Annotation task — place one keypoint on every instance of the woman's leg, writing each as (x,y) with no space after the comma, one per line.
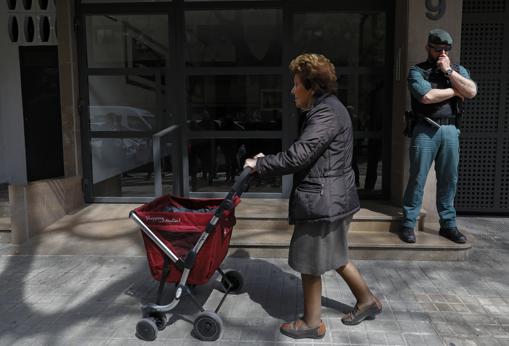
(312,288)
(311,325)
(358,286)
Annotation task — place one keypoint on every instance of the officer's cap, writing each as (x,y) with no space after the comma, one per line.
(439,36)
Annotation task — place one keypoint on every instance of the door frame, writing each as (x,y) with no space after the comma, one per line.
(176,85)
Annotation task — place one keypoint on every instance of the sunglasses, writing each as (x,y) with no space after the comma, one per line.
(441,48)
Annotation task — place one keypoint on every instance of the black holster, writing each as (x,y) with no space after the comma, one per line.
(459,112)
(410,122)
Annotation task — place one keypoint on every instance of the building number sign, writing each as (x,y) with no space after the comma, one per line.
(436,9)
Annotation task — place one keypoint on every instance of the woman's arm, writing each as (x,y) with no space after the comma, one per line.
(316,136)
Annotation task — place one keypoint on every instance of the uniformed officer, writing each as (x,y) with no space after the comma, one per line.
(437,90)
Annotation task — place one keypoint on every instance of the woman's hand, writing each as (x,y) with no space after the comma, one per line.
(251,163)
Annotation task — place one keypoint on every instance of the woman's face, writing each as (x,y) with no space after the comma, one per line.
(303,97)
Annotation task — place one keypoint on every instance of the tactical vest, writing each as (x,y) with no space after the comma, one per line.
(438,80)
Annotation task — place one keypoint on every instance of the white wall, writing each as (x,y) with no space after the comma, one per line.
(3,162)
(12,151)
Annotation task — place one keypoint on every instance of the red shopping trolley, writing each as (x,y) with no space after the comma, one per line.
(186,240)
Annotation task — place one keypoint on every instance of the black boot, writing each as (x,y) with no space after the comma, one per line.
(453,234)
(407,234)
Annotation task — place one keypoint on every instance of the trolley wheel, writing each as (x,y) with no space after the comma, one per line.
(236,280)
(146,329)
(208,326)
(160,320)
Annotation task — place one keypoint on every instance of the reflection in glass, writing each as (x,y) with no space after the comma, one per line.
(347,39)
(220,0)
(367,164)
(345,90)
(235,103)
(167,149)
(351,41)
(372,102)
(233,38)
(124,103)
(127,41)
(372,39)
(122,167)
(103,1)
(214,163)
(367,121)
(372,90)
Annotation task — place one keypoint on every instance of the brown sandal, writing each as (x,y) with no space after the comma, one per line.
(356,316)
(298,330)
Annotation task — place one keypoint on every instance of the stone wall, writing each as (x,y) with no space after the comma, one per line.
(39,204)
(35,205)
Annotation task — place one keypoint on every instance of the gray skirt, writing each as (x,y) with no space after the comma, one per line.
(317,247)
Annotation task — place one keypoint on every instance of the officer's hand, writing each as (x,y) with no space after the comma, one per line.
(443,63)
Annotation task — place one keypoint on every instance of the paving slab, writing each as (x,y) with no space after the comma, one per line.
(82,283)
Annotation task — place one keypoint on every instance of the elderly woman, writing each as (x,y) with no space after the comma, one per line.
(324,196)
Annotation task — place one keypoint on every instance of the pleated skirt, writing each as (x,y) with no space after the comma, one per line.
(317,247)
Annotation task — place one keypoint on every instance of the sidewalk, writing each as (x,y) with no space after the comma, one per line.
(75,293)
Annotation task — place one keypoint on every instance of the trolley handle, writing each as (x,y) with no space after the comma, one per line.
(242,183)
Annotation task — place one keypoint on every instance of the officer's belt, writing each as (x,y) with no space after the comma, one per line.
(445,120)
(441,120)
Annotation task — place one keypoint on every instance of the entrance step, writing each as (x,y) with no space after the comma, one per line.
(5,237)
(262,230)
(5,209)
(375,216)
(5,222)
(4,193)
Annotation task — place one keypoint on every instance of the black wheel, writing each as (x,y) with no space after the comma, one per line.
(146,329)
(236,280)
(160,320)
(208,326)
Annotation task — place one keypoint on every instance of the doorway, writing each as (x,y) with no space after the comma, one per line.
(41,112)
(219,71)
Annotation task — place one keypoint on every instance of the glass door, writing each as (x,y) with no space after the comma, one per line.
(356,41)
(124,101)
(219,71)
(235,95)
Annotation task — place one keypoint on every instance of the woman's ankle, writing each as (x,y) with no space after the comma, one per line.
(312,323)
(361,304)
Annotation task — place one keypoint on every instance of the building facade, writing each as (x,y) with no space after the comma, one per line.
(138,98)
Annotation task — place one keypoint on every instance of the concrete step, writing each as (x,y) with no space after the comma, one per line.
(262,230)
(387,246)
(364,221)
(362,245)
(4,192)
(5,209)
(374,216)
(5,230)
(5,222)
(5,237)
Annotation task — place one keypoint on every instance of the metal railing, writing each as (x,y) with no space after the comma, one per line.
(175,162)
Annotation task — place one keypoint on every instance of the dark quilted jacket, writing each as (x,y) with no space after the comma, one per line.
(320,159)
